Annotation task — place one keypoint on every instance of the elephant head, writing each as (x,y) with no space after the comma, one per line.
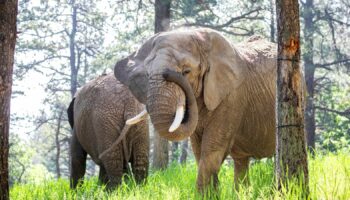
(173,69)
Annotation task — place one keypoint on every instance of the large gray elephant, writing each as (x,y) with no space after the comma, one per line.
(98,115)
(195,83)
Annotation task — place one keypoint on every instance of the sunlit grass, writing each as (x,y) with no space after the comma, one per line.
(329,179)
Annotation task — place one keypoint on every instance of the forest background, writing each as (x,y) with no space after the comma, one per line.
(62,44)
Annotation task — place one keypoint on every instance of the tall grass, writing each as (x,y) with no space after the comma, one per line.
(329,179)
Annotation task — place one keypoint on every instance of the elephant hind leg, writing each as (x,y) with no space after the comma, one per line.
(102,177)
(78,162)
(113,164)
(241,166)
(139,158)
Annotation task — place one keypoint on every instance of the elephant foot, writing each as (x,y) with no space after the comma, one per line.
(241,172)
(140,176)
(209,188)
(113,183)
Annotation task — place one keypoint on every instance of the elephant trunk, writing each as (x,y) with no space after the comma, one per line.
(172,106)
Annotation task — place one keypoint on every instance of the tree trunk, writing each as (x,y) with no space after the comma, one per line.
(291,156)
(272,21)
(58,146)
(8,32)
(162,15)
(184,147)
(72,61)
(72,56)
(160,152)
(174,152)
(161,146)
(308,16)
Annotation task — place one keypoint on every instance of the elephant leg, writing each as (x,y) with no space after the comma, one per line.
(113,164)
(241,171)
(196,140)
(213,153)
(78,162)
(140,155)
(102,177)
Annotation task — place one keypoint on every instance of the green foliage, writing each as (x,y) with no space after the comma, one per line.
(333,119)
(19,159)
(329,179)
(234,18)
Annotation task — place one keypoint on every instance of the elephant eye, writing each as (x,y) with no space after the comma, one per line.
(186,71)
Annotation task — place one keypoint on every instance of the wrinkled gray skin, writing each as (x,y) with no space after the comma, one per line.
(100,111)
(228,92)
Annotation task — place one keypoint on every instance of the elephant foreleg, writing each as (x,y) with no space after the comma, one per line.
(78,162)
(196,146)
(241,171)
(213,152)
(208,169)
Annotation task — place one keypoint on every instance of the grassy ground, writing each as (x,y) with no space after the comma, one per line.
(329,179)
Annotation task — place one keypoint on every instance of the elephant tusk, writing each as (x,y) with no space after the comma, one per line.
(137,118)
(180,112)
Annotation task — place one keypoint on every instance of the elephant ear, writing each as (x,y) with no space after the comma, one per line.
(224,74)
(131,71)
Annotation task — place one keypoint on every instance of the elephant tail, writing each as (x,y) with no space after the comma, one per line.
(70,113)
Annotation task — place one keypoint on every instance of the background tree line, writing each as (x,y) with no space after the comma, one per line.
(63,44)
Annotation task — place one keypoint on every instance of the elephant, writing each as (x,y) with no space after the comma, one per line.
(98,115)
(196,84)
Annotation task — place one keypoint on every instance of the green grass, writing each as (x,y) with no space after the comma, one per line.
(329,179)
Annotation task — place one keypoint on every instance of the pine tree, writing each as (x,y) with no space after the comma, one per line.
(291,155)
(8,33)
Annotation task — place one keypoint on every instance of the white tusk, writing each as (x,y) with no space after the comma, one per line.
(137,118)
(180,112)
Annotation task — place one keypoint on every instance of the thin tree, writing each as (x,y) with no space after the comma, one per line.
(57,141)
(184,148)
(161,145)
(8,32)
(291,156)
(310,68)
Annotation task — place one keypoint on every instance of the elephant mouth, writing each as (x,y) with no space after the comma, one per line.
(186,115)
(173,119)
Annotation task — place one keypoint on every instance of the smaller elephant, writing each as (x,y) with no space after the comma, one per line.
(98,116)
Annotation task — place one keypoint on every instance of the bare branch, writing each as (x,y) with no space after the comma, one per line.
(326,65)
(229,22)
(345,113)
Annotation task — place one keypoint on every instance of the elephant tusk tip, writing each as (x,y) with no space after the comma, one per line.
(180,111)
(137,118)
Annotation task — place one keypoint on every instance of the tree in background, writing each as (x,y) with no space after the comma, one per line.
(8,34)
(291,155)
(64,43)
(43,48)
(324,27)
(161,145)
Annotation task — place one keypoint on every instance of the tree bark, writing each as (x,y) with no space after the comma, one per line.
(8,32)
(310,67)
(161,145)
(291,156)
(184,147)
